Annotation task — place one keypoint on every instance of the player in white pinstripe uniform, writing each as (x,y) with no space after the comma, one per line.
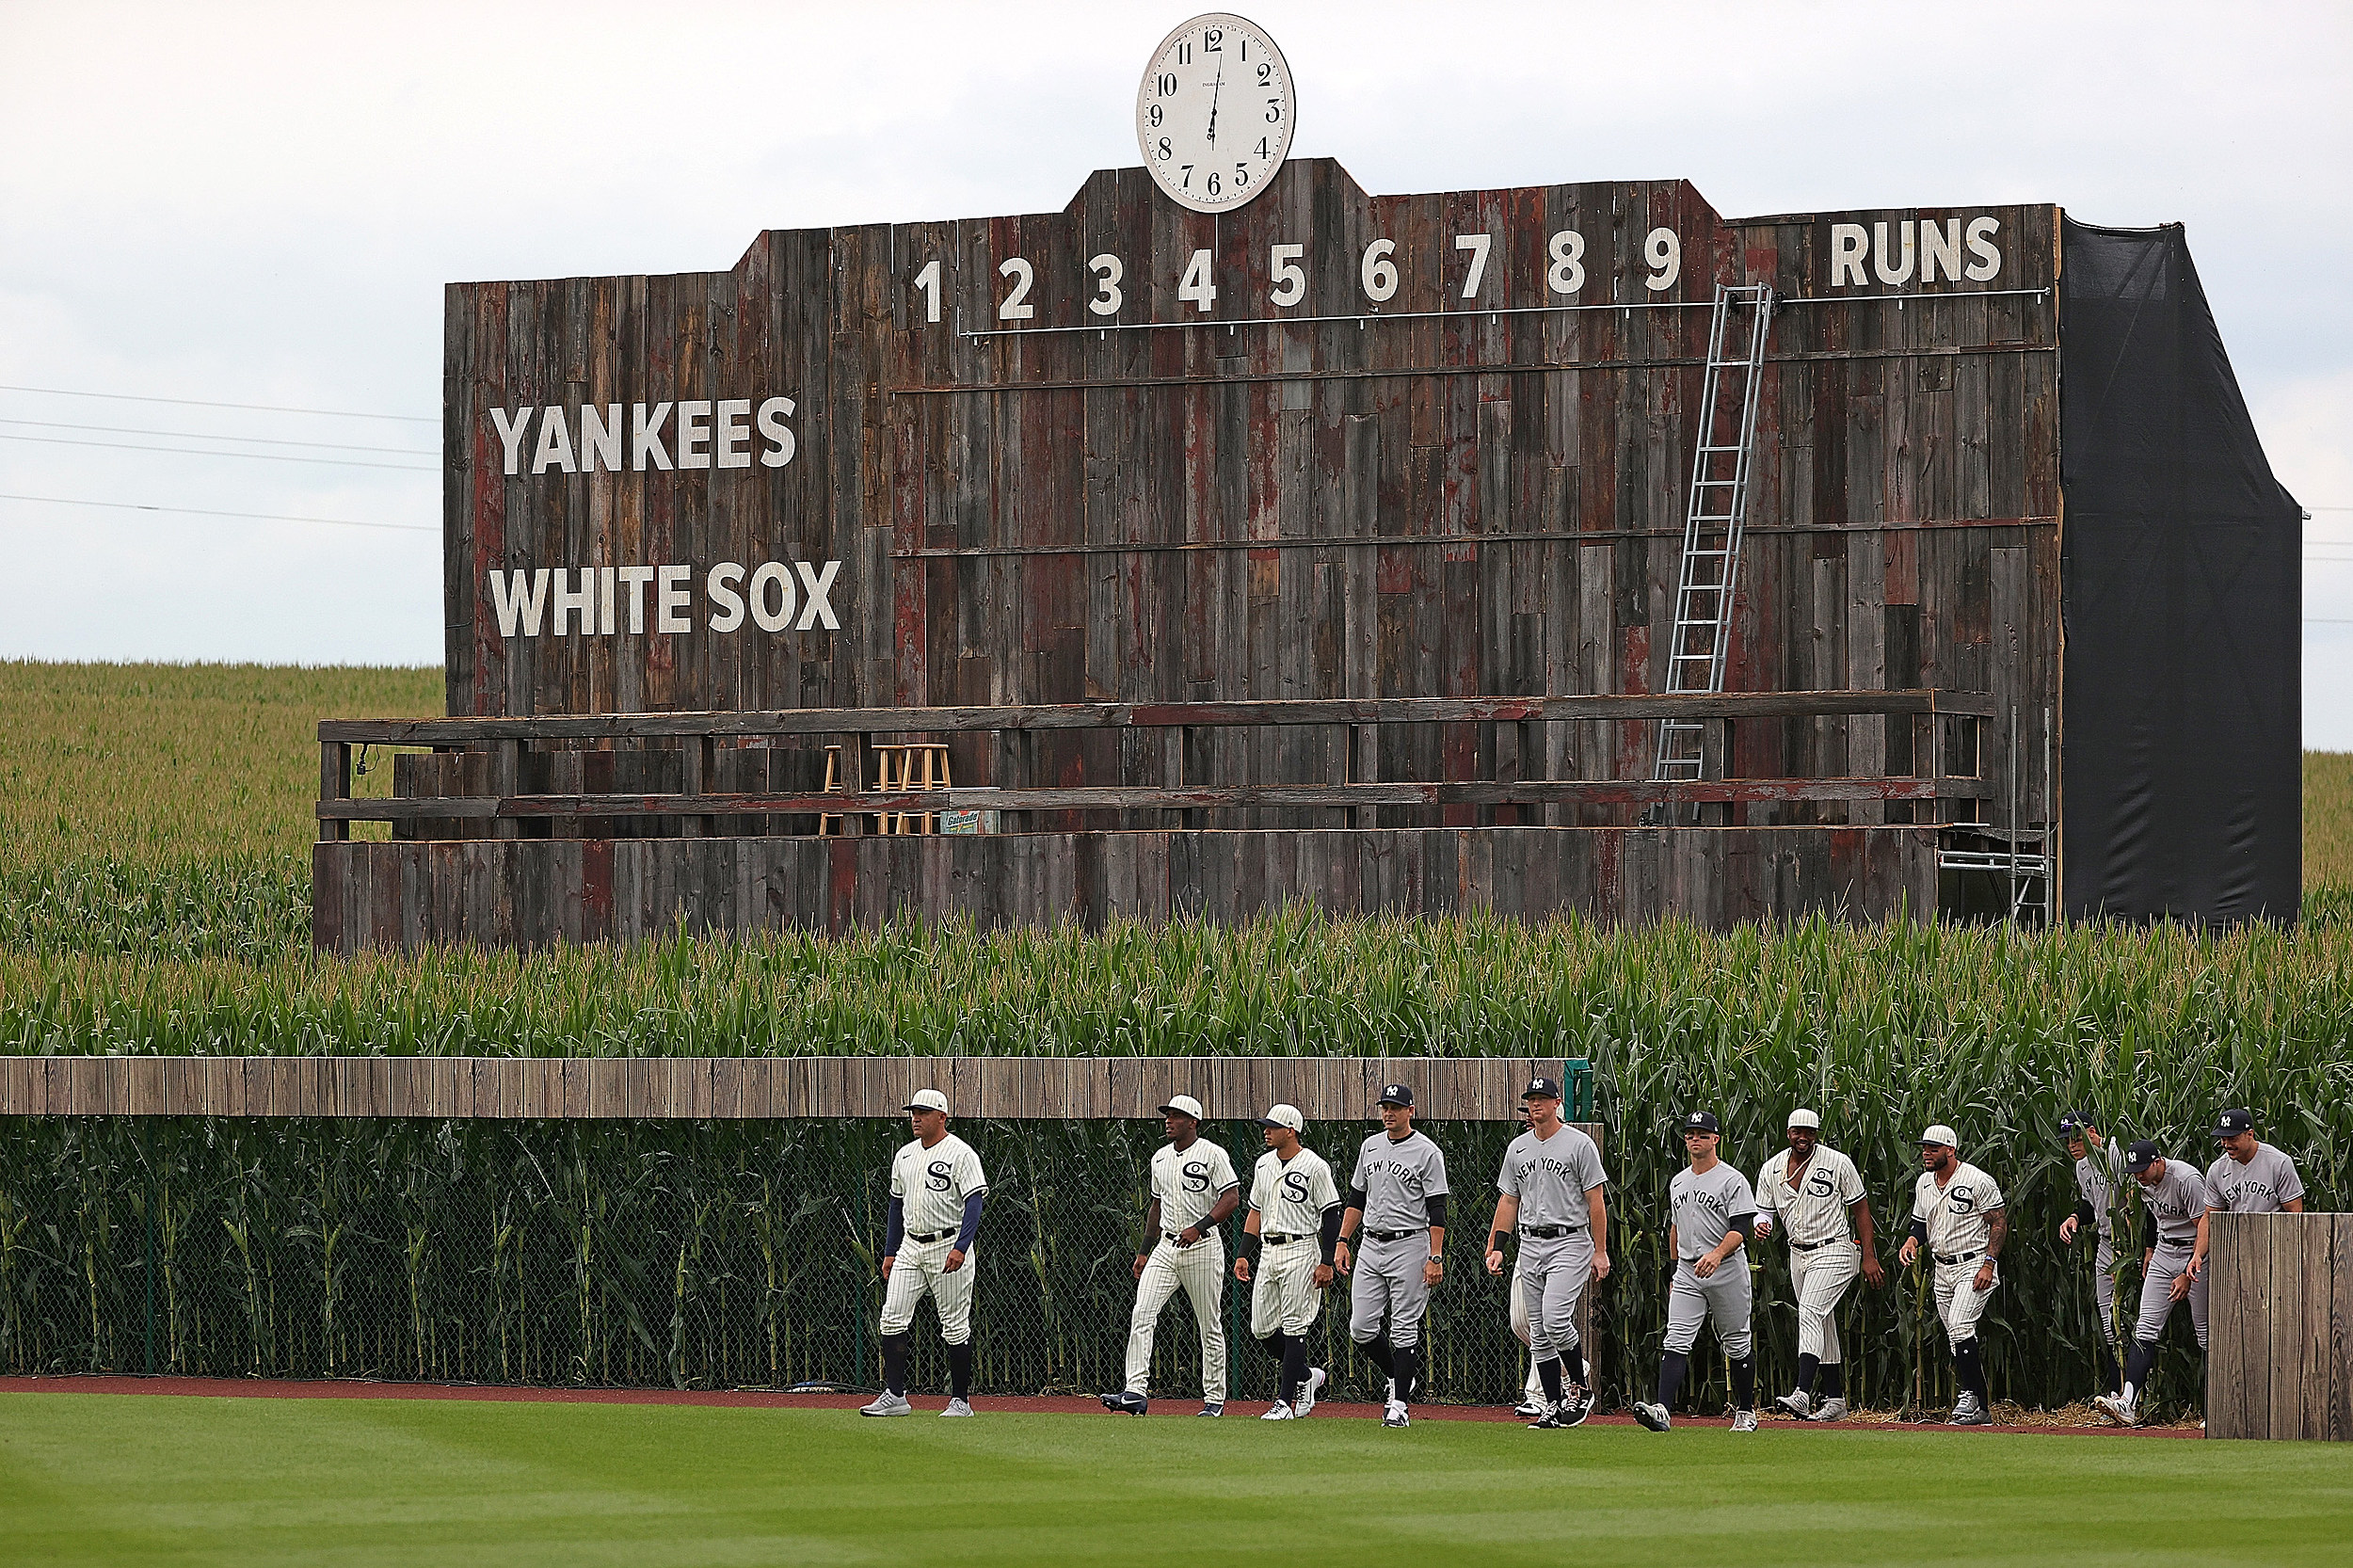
(936,1195)
(1812,1190)
(1194,1191)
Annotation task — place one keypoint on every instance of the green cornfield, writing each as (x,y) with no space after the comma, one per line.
(153,898)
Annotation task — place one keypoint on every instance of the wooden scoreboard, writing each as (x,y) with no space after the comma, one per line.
(1318,544)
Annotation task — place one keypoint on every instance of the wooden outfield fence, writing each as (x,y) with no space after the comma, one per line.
(2280,1363)
(1329,1089)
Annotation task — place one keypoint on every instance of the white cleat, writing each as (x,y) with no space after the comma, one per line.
(1652,1416)
(1744,1420)
(1530,1409)
(1830,1410)
(1800,1405)
(887,1403)
(1967,1412)
(1395,1416)
(957,1407)
(1308,1390)
(2118,1409)
(1280,1413)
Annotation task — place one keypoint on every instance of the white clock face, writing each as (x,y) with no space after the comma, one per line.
(1215,112)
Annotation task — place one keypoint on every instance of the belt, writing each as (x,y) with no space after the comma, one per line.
(1176,1238)
(1957,1258)
(1394,1235)
(1810,1246)
(2177,1240)
(1281,1241)
(1550,1233)
(935,1235)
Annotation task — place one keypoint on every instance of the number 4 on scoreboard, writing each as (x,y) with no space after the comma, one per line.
(1196,285)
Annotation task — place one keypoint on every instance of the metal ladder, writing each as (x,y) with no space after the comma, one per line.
(1713,518)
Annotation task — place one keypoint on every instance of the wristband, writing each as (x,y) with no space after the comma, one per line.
(1495,1241)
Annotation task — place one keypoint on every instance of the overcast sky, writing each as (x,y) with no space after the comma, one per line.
(259,205)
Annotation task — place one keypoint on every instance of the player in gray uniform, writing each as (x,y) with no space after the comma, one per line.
(1398,1194)
(2251,1177)
(1194,1191)
(1551,1199)
(2172,1267)
(1714,1214)
(2096,1181)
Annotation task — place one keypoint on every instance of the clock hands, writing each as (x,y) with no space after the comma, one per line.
(1216,88)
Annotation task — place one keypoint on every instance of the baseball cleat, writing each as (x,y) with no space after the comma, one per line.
(1652,1416)
(957,1407)
(1395,1416)
(1126,1402)
(1744,1420)
(2118,1409)
(887,1403)
(1308,1390)
(1530,1409)
(1830,1410)
(1280,1413)
(1545,1418)
(1800,1405)
(1967,1412)
(1575,1407)
(1214,1409)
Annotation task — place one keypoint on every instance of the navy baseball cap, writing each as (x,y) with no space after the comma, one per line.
(1701,1121)
(2075,1122)
(2140,1156)
(1397,1093)
(2232,1123)
(1541,1089)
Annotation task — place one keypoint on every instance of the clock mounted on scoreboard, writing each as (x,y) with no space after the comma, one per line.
(1215,111)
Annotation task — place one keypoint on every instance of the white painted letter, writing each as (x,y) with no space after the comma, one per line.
(928,280)
(1879,254)
(1378,273)
(1664,252)
(605,591)
(1290,284)
(601,439)
(1987,263)
(671,596)
(1478,245)
(720,585)
(735,432)
(511,435)
(1940,243)
(772,426)
(819,611)
(1567,272)
(778,575)
(517,607)
(569,603)
(1197,285)
(635,579)
(1107,272)
(555,444)
(693,434)
(1848,246)
(1015,306)
(645,439)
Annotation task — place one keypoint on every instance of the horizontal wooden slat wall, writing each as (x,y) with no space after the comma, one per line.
(1334,1089)
(2280,1299)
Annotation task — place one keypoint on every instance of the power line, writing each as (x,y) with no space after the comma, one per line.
(205,436)
(200,512)
(200,403)
(192,451)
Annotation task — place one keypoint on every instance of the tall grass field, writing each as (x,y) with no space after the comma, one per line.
(155,832)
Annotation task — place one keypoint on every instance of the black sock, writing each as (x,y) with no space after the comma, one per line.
(1744,1384)
(1378,1352)
(2142,1357)
(1671,1369)
(2109,1376)
(1573,1366)
(1548,1373)
(1294,1366)
(1833,1380)
(1807,1365)
(894,1349)
(1408,1372)
(960,1369)
(1970,1368)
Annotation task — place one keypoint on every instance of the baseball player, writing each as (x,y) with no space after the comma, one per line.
(1551,1199)
(2172,1267)
(1714,1212)
(1959,1218)
(2096,1181)
(1288,1241)
(1194,1193)
(937,1192)
(1398,1194)
(1533,1391)
(1814,1192)
(2251,1177)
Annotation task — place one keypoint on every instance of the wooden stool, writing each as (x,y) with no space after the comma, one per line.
(915,766)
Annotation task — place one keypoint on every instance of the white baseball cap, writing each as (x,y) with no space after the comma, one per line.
(1183,1105)
(1285,1115)
(1939,1133)
(926,1099)
(1805,1118)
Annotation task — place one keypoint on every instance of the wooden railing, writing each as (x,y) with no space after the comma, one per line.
(1943,734)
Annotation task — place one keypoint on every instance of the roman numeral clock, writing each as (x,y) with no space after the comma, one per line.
(1215,111)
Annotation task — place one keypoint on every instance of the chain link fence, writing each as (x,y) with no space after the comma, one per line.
(743,1254)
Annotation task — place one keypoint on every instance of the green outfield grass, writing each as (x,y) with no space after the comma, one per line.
(124,1481)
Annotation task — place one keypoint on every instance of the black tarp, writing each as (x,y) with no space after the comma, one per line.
(2181,740)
